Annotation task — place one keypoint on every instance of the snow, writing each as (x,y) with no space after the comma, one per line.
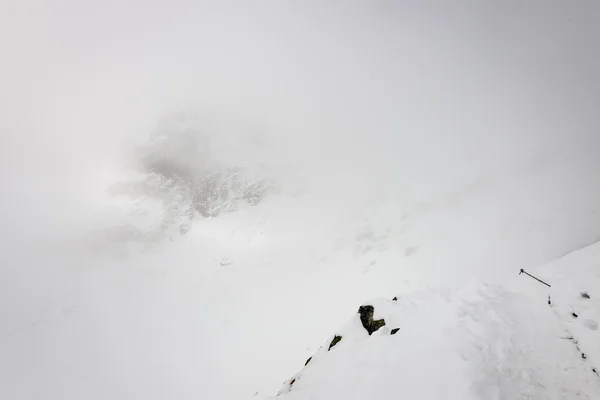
(233,307)
(116,328)
(570,277)
(391,149)
(478,342)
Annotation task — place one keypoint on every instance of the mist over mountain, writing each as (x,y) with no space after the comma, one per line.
(195,196)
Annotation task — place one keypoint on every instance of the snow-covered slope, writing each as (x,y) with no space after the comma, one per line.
(574,296)
(390,148)
(477,342)
(232,307)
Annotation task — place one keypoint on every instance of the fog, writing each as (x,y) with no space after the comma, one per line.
(470,127)
(405,95)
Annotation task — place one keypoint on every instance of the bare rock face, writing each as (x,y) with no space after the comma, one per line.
(336,340)
(366,317)
(187,169)
(189,156)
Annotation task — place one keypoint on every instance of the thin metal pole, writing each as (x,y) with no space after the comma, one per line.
(539,280)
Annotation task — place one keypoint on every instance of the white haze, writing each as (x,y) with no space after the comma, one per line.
(469,127)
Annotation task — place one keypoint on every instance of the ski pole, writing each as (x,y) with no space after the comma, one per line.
(539,280)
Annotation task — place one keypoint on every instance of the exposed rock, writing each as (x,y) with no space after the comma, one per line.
(394,331)
(307,361)
(366,317)
(186,169)
(585,295)
(336,340)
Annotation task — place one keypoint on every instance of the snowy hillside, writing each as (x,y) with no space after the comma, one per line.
(197,195)
(232,307)
(477,342)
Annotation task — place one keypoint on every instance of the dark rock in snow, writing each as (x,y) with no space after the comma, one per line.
(395,299)
(585,295)
(575,315)
(394,331)
(336,340)
(366,317)
(307,361)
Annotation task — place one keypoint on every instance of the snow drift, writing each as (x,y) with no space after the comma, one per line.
(477,342)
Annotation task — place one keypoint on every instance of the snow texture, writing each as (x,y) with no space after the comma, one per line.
(477,342)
